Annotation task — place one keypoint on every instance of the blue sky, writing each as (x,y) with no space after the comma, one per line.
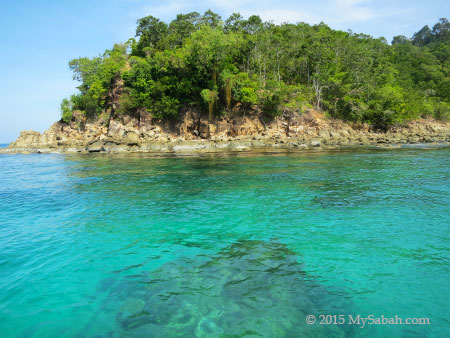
(39,38)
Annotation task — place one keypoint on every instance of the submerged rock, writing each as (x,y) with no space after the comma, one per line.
(251,288)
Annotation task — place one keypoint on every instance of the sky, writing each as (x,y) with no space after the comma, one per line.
(39,37)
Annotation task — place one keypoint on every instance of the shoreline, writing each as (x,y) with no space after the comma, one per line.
(192,134)
(232,146)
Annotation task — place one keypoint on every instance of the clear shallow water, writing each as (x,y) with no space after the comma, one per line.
(135,246)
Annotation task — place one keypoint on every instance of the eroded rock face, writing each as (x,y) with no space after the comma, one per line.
(230,133)
(27,138)
(189,125)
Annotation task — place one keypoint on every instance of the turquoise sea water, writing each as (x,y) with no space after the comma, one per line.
(224,246)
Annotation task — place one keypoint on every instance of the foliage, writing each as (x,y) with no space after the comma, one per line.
(210,97)
(66,110)
(247,64)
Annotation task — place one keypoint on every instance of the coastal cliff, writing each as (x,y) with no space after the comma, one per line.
(195,133)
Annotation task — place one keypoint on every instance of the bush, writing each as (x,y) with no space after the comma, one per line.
(442,111)
(66,110)
(125,105)
(382,120)
(166,107)
(245,89)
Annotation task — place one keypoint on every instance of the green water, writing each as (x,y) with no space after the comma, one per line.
(224,246)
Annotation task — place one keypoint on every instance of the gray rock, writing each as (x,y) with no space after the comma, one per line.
(132,139)
(95,147)
(116,129)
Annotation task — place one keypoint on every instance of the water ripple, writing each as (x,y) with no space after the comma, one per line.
(115,246)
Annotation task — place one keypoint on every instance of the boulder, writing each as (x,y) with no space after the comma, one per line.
(116,129)
(132,139)
(96,147)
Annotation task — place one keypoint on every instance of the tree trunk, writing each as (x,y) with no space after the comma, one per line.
(228,93)
(210,109)
(318,92)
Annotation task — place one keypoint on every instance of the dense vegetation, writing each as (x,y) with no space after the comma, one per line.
(246,64)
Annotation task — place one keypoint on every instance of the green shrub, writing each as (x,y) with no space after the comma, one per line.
(442,111)
(66,111)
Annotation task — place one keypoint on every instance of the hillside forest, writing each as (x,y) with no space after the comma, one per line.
(238,65)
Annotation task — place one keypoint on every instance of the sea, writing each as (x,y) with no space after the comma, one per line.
(342,243)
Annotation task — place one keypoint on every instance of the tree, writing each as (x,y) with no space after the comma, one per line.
(210,97)
(441,30)
(234,23)
(97,76)
(247,64)
(423,37)
(66,110)
(210,19)
(150,31)
(182,27)
(400,40)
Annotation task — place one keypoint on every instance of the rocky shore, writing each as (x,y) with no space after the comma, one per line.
(193,133)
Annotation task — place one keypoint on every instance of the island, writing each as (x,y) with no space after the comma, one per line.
(201,84)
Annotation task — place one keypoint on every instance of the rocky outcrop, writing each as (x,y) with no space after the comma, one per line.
(33,139)
(27,139)
(194,133)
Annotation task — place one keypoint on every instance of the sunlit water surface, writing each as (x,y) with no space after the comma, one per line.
(232,246)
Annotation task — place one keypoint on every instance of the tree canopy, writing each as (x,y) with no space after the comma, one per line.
(239,64)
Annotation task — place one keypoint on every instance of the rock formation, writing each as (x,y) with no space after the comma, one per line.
(194,133)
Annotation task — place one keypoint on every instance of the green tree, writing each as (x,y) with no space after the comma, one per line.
(66,110)
(151,31)
(247,64)
(210,97)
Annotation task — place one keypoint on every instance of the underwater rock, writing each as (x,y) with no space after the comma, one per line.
(251,288)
